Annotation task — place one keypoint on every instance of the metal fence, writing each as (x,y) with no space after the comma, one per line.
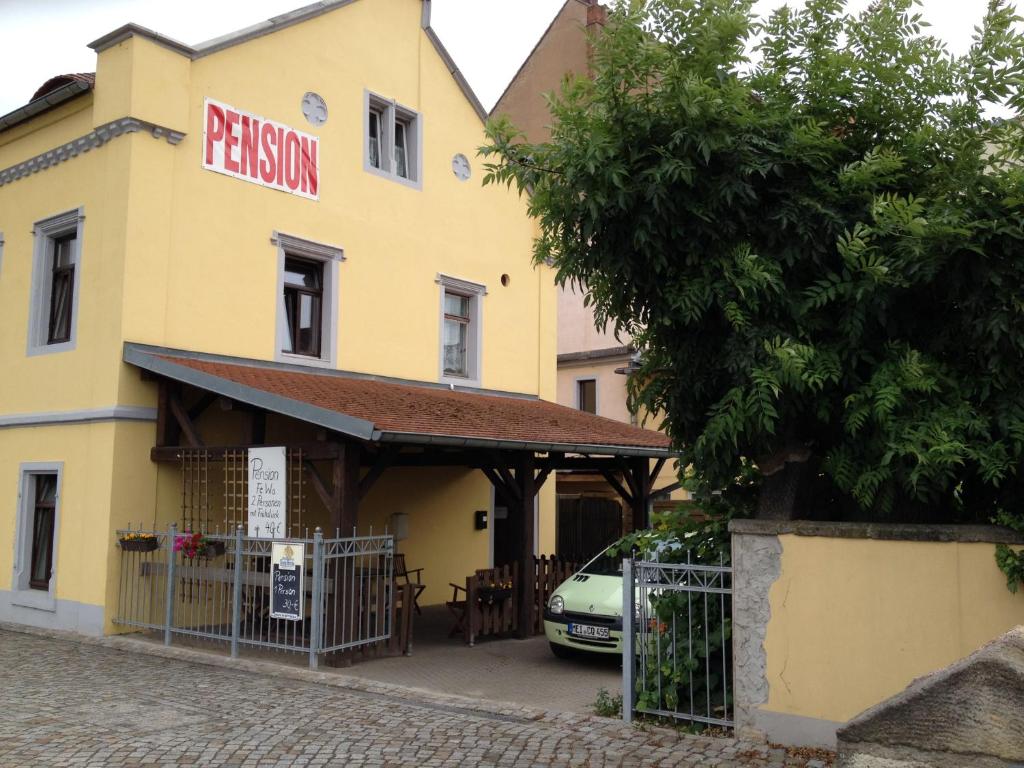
(222,591)
(677,662)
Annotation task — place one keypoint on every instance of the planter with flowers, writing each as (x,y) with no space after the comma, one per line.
(193,545)
(495,592)
(139,542)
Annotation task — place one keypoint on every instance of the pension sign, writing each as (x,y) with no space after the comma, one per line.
(260,151)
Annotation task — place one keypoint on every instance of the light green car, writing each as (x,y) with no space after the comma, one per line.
(585,612)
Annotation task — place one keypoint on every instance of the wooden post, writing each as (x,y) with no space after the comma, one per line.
(345,484)
(639,468)
(526,481)
(344,511)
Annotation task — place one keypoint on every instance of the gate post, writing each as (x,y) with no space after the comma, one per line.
(316,599)
(236,597)
(628,637)
(172,537)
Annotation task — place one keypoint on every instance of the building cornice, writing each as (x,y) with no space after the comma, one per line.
(95,138)
(595,354)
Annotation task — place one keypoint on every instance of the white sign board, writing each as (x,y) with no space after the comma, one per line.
(287,569)
(254,149)
(268,492)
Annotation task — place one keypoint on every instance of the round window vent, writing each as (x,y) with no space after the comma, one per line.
(314,108)
(460,167)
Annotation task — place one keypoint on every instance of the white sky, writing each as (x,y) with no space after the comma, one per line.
(487,38)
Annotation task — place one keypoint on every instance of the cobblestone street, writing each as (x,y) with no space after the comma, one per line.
(69,703)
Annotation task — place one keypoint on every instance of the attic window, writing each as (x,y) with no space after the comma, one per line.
(393,141)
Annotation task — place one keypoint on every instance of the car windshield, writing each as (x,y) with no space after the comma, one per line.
(604,565)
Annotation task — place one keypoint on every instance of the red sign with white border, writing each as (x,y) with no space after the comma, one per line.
(254,149)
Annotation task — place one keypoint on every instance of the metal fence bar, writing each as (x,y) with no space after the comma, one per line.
(315,602)
(628,637)
(236,594)
(172,537)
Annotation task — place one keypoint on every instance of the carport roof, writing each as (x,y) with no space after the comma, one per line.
(384,410)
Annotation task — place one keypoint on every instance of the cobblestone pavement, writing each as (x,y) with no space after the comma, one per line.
(71,703)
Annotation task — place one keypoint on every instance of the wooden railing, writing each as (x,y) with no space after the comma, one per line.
(492,597)
(548,573)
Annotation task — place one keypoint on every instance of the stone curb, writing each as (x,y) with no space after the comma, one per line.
(657,735)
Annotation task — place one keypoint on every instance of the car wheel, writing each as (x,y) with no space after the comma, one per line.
(561,651)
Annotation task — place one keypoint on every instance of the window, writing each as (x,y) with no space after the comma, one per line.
(55,282)
(43,519)
(586,395)
(303,299)
(456,335)
(307,307)
(393,140)
(38,521)
(460,330)
(62,289)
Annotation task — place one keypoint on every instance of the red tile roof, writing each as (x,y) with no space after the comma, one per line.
(89,78)
(425,410)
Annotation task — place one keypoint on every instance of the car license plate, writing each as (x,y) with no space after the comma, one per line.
(588,630)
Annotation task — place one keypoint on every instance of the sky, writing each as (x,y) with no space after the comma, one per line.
(488,39)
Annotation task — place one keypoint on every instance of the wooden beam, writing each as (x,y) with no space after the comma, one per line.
(527,534)
(384,460)
(344,510)
(541,477)
(657,470)
(617,486)
(473,460)
(640,470)
(509,483)
(167,431)
(204,402)
(592,463)
(326,496)
(311,451)
(255,427)
(181,416)
(496,481)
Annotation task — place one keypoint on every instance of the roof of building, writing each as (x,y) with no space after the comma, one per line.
(50,94)
(79,83)
(389,410)
(596,354)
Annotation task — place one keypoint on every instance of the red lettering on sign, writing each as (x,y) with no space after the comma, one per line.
(268,166)
(280,156)
(214,129)
(292,160)
(230,141)
(309,175)
(250,145)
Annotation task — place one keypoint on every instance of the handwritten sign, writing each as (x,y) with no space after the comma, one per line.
(268,492)
(287,569)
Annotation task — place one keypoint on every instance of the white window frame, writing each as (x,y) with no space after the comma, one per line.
(45,233)
(475,293)
(597,400)
(392,112)
(22,594)
(330,257)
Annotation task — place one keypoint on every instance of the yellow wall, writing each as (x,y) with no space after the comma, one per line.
(854,621)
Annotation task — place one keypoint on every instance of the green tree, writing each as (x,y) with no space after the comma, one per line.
(819,250)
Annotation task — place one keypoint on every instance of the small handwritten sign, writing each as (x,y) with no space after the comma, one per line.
(268,492)
(287,572)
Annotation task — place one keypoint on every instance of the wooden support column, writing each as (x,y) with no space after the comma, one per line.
(640,482)
(526,482)
(345,484)
(167,430)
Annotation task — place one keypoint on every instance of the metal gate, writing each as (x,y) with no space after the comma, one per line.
(677,662)
(222,591)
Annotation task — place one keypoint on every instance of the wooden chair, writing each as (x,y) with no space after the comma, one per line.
(459,608)
(401,572)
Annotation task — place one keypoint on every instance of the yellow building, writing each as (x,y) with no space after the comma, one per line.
(275,238)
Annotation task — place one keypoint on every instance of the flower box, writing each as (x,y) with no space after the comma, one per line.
(139,544)
(212,549)
(492,595)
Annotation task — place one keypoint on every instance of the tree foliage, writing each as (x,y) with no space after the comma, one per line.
(819,249)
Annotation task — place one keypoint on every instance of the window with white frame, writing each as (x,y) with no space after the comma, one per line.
(37,526)
(460,330)
(393,140)
(56,275)
(307,304)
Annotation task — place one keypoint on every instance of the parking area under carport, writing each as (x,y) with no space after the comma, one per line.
(523,672)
